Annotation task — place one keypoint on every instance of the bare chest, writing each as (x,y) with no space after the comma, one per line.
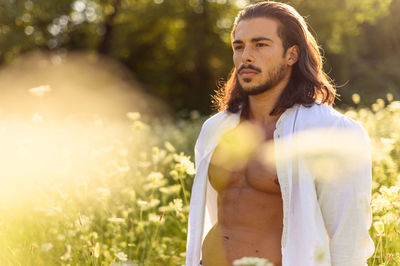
(244,158)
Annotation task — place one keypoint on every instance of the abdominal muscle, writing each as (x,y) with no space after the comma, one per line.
(249,225)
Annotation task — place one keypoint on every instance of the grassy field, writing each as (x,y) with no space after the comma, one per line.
(93,191)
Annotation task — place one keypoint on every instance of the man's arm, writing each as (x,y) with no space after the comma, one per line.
(345,205)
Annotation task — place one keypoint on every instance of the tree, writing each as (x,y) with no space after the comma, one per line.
(180,50)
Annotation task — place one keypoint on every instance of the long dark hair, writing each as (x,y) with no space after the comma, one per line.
(308,82)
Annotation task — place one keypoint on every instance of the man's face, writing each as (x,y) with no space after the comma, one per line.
(258,55)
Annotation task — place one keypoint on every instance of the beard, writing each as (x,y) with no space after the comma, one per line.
(275,77)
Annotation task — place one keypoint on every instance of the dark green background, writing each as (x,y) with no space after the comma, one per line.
(180,49)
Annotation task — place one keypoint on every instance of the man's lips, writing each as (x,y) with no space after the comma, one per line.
(248,73)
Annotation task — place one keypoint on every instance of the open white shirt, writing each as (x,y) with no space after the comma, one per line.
(325,221)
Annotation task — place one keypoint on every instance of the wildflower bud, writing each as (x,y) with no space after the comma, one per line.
(356,98)
(379,227)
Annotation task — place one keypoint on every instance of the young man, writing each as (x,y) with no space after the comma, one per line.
(306,208)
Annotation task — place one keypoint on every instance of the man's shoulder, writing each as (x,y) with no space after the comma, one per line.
(334,124)
(324,115)
(216,122)
(213,127)
(324,110)
(215,119)
(221,119)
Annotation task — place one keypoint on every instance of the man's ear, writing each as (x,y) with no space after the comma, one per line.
(292,54)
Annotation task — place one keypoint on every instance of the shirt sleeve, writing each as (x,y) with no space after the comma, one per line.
(344,200)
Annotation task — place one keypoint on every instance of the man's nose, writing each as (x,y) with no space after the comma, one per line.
(247,56)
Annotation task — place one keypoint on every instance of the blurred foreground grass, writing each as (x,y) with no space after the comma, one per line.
(91,191)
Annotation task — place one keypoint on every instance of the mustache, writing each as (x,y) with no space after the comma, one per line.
(249,67)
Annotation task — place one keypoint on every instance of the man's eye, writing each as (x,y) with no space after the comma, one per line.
(261,44)
(237,47)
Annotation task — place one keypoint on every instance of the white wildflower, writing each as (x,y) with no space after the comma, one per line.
(184,164)
(379,227)
(139,126)
(380,102)
(380,203)
(143,205)
(155,218)
(46,247)
(375,107)
(155,177)
(176,205)
(174,189)
(96,250)
(391,194)
(154,203)
(67,253)
(156,180)
(125,263)
(116,220)
(394,106)
(252,261)
(121,256)
(83,223)
(389,218)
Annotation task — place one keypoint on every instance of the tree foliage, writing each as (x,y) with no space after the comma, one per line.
(180,50)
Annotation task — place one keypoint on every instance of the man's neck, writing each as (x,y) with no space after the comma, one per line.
(260,106)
